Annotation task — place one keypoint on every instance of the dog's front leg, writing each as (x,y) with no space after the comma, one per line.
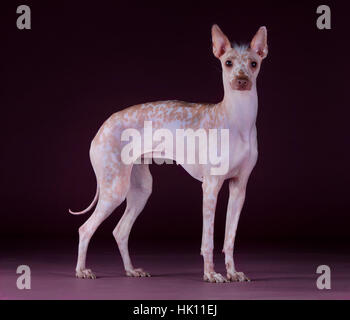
(235,204)
(211,187)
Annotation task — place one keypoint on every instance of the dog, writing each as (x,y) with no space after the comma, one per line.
(118,180)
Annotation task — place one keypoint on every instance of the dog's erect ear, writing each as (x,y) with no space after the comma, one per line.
(220,42)
(259,43)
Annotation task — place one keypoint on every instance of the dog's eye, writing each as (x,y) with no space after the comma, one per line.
(228,63)
(253,64)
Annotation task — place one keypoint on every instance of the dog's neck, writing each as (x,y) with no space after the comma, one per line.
(241,108)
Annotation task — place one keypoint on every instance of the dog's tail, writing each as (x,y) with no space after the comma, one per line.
(90,206)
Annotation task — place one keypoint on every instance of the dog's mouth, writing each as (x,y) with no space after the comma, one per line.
(241,83)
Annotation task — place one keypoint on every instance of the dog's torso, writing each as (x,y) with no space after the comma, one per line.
(240,151)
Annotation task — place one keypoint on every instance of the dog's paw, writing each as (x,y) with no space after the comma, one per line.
(237,277)
(137,273)
(214,277)
(85,274)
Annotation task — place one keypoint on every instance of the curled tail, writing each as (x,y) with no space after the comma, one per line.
(90,206)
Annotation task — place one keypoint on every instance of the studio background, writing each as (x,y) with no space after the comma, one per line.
(81,62)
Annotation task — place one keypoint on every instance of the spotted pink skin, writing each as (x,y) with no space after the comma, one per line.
(117,181)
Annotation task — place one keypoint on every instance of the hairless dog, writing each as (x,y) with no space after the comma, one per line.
(118,179)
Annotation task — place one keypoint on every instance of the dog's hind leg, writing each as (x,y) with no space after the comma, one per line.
(112,193)
(138,194)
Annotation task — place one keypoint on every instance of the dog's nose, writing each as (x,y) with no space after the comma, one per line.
(241,83)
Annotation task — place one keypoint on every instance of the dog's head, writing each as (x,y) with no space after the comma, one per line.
(240,63)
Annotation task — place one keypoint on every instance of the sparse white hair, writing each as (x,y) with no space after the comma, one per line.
(240,48)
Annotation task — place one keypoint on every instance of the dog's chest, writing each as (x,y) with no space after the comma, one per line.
(243,151)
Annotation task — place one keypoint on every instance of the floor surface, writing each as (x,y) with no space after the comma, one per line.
(275,274)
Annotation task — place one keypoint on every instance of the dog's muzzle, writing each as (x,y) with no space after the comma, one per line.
(241,83)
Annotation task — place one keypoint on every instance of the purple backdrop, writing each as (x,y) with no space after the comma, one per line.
(82,62)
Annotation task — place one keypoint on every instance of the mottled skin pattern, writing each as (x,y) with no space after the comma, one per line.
(117,181)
